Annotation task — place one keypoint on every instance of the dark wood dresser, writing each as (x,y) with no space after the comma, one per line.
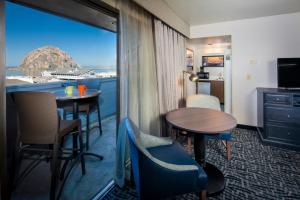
(278,117)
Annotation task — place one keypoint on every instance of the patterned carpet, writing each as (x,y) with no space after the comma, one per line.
(255,171)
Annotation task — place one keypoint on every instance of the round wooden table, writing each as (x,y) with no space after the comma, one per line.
(200,122)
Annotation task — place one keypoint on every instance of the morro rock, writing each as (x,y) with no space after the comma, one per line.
(47,58)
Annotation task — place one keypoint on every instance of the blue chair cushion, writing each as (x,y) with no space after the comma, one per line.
(175,154)
(172,153)
(221,136)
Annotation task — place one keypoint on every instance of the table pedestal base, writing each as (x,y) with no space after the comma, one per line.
(216,183)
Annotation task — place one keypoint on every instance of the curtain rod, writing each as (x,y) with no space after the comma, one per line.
(155,17)
(163,22)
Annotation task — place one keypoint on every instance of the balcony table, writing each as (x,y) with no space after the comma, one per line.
(200,122)
(75,99)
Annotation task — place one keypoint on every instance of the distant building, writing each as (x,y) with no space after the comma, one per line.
(70,75)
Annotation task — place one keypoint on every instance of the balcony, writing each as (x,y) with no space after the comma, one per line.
(98,173)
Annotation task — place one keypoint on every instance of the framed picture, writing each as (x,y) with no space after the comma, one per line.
(213,61)
(189,59)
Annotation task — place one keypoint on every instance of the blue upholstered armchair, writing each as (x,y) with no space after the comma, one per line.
(161,167)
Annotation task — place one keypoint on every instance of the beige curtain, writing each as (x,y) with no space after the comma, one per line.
(139,93)
(138,80)
(170,61)
(150,76)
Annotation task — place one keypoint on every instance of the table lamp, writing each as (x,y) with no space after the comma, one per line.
(193,77)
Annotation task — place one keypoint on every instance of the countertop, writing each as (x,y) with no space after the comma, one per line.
(209,80)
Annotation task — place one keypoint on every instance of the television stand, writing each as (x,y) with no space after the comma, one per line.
(278,117)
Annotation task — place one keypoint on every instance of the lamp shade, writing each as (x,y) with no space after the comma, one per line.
(193,77)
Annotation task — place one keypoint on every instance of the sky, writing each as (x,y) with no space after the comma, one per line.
(28,29)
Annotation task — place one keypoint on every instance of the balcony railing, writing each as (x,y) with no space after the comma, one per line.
(107,98)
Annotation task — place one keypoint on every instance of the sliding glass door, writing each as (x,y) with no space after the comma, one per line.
(57,45)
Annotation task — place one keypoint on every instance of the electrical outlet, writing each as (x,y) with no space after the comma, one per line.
(253,62)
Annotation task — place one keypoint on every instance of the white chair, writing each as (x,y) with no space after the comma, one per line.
(207,101)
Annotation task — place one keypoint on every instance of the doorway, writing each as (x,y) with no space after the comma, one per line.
(213,55)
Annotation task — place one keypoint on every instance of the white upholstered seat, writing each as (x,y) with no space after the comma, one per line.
(212,102)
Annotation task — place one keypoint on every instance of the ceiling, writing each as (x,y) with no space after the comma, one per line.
(196,12)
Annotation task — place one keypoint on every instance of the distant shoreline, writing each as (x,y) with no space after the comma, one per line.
(12,68)
(16,71)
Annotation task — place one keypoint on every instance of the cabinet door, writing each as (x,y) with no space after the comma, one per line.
(217,90)
(283,99)
(283,133)
(282,114)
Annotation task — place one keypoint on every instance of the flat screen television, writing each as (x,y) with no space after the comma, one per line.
(288,72)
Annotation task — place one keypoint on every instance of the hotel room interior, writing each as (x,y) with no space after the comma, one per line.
(205,104)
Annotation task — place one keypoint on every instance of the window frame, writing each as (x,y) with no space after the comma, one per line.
(93,11)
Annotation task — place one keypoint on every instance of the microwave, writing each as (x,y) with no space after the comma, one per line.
(203,75)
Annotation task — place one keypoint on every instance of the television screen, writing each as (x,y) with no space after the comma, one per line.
(213,61)
(288,72)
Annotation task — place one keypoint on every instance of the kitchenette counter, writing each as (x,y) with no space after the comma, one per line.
(209,80)
(216,87)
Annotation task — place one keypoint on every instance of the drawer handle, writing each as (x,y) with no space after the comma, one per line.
(277,99)
(289,133)
(288,116)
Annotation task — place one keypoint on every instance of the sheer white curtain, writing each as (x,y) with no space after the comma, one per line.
(139,93)
(170,61)
(138,79)
(152,59)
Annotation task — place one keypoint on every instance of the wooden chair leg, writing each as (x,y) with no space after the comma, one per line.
(202,195)
(99,118)
(81,151)
(228,149)
(54,171)
(75,146)
(64,114)
(17,165)
(173,134)
(87,132)
(189,145)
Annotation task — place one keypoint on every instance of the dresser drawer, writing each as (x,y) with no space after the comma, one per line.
(288,134)
(282,114)
(278,99)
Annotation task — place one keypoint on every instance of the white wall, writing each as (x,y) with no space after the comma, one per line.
(256,44)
